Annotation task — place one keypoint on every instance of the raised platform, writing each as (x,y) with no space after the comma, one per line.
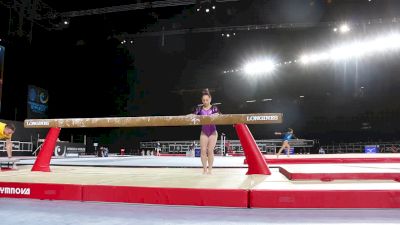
(162,154)
(329,172)
(187,186)
(8,164)
(143,161)
(333,158)
(171,186)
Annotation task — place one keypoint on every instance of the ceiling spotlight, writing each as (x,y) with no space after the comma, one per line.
(250,101)
(205,5)
(344,28)
(264,66)
(335,29)
(267,99)
(228,35)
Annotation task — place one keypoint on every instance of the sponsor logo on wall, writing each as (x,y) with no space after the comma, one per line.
(38,99)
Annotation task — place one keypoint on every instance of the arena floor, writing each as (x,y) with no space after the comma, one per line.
(184,173)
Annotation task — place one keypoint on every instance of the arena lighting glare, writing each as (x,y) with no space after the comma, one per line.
(205,5)
(228,34)
(259,67)
(356,49)
(344,28)
(313,58)
(266,99)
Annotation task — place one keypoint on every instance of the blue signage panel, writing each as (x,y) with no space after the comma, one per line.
(38,99)
(371,149)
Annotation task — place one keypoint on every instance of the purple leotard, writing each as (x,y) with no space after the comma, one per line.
(207,129)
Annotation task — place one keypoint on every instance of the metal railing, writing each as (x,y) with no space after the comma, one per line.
(18,146)
(384,147)
(266,146)
(37,149)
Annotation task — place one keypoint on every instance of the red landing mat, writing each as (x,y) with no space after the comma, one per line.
(147,195)
(339,176)
(325,199)
(258,198)
(329,160)
(172,155)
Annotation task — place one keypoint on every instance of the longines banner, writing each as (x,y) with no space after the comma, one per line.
(38,99)
(1,71)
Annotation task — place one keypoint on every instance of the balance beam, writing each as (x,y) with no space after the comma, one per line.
(156,121)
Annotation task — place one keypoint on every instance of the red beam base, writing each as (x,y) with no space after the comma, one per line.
(42,162)
(255,160)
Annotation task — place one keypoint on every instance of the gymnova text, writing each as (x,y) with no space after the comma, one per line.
(262,118)
(15,191)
